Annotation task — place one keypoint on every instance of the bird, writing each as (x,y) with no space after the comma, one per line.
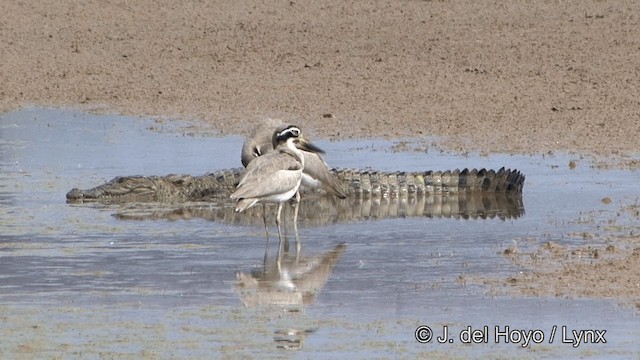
(316,173)
(275,176)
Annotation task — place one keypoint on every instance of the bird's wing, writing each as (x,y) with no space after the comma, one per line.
(315,166)
(268,175)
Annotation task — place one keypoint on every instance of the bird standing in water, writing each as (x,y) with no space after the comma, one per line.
(275,176)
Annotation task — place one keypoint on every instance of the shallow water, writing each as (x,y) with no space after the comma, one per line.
(77,281)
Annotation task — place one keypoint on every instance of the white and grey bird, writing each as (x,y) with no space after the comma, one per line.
(275,176)
(316,173)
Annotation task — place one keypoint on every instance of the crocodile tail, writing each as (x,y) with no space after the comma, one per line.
(376,184)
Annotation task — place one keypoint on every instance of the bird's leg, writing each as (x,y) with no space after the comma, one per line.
(266,256)
(279,262)
(279,257)
(295,225)
(264,218)
(266,229)
(285,239)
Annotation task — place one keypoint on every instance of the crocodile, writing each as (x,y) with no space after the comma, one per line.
(356,183)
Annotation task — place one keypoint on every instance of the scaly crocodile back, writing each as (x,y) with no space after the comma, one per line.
(358,183)
(374,183)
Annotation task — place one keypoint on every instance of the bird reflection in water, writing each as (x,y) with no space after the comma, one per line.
(289,285)
(293,283)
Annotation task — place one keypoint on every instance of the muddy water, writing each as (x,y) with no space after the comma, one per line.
(78,282)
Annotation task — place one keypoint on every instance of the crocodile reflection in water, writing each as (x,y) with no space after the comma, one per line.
(316,210)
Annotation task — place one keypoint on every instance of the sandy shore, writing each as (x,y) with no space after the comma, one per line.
(514,77)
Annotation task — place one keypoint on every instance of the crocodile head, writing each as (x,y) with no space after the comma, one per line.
(126,189)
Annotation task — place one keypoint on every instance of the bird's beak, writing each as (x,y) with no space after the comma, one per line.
(306,145)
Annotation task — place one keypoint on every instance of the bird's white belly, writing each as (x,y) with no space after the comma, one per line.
(281,197)
(309,182)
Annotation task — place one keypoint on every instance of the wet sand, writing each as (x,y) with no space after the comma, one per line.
(605,267)
(487,77)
